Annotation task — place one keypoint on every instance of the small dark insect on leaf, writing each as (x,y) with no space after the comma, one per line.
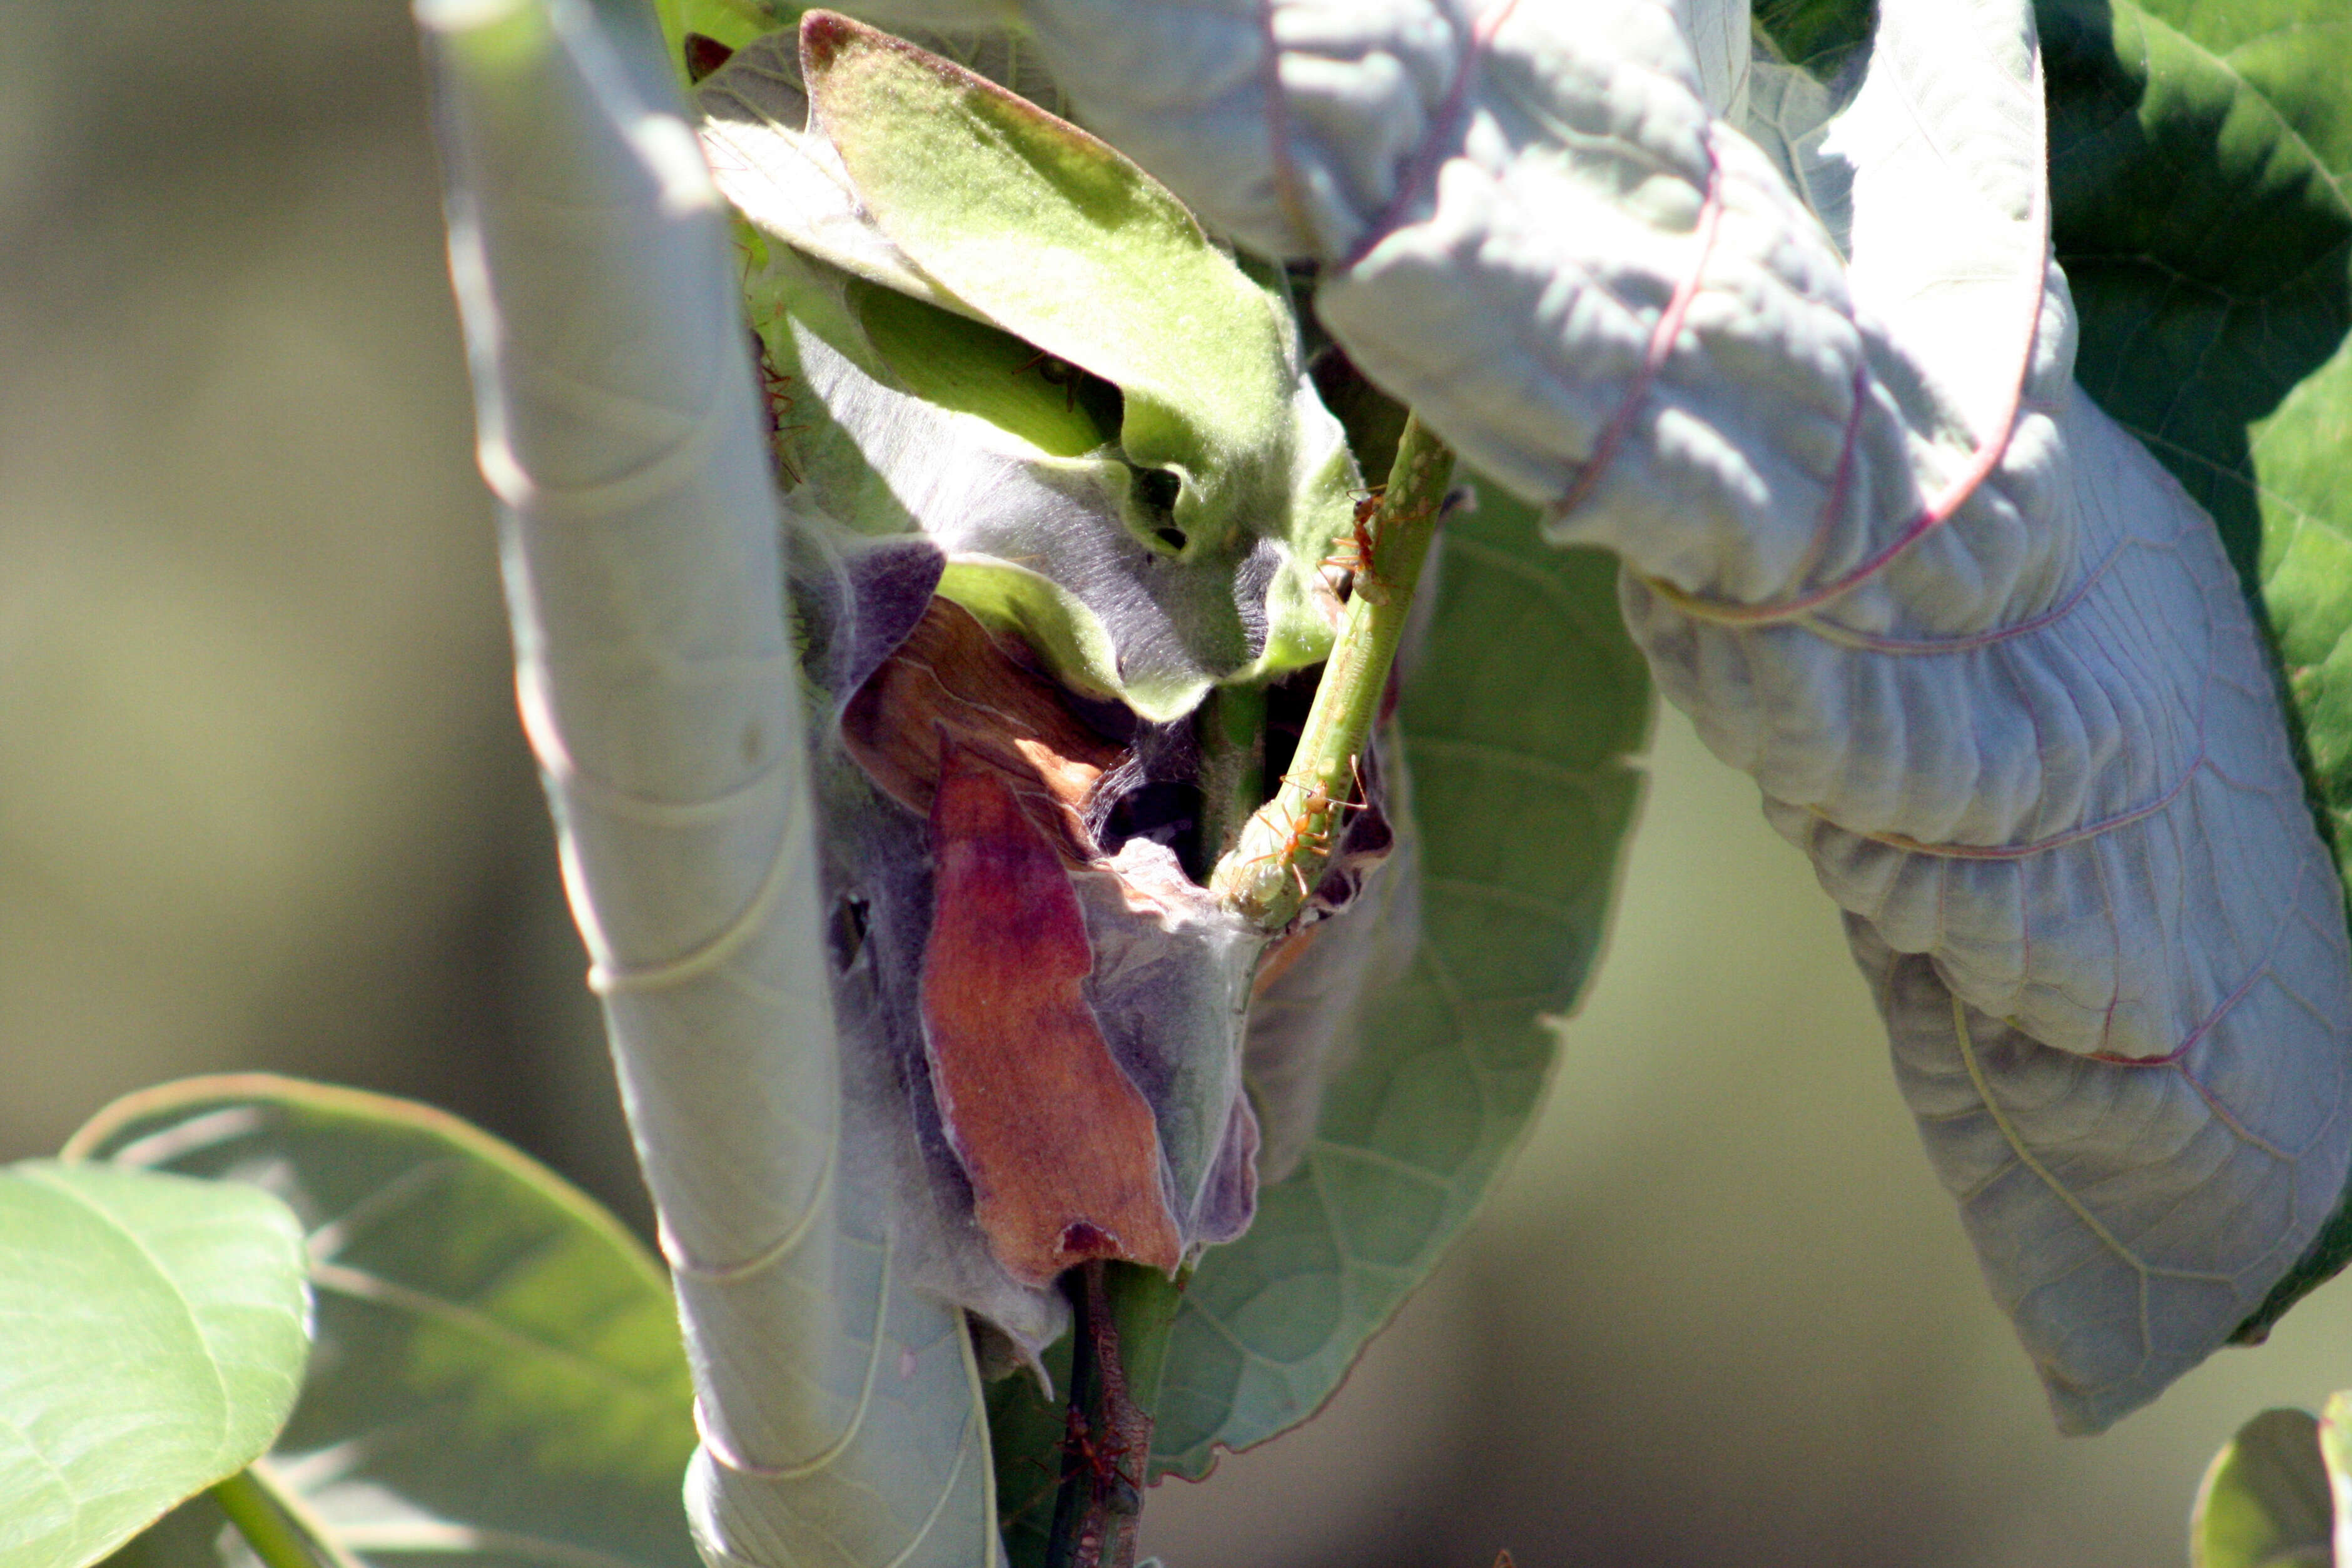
(777,389)
(704,55)
(1055,372)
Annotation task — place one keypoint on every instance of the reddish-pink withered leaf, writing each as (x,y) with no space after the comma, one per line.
(1062,1150)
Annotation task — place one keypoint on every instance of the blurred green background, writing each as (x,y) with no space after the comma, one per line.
(263,803)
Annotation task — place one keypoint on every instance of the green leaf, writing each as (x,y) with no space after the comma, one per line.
(2264,1502)
(152,1339)
(2335,1454)
(1820,34)
(987,325)
(965,177)
(499,1376)
(2201,196)
(1519,721)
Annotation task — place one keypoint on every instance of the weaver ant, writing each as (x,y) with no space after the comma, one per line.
(1313,822)
(777,388)
(1355,554)
(1104,1464)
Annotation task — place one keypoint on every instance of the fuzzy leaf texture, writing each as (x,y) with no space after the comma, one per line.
(1983,654)
(1111,434)
(839,1409)
(1985,658)
(2199,166)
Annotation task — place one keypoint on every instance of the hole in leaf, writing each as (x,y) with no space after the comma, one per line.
(1158,488)
(847,937)
(1165,810)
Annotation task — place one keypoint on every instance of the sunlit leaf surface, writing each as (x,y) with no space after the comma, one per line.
(152,1339)
(499,1380)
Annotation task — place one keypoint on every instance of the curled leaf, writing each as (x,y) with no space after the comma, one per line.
(839,1404)
(997,330)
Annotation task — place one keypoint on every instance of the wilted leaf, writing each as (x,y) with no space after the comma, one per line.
(152,1334)
(1061,1146)
(499,1374)
(2264,1502)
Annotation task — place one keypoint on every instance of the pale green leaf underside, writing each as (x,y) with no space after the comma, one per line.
(2200,161)
(500,1379)
(151,1342)
(1519,721)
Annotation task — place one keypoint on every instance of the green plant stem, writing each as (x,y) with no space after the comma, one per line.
(1107,1446)
(1143,1303)
(1286,842)
(274,1539)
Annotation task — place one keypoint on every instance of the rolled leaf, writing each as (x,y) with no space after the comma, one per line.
(621,433)
(1007,335)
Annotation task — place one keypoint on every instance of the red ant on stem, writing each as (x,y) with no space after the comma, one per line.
(1356,553)
(777,388)
(1313,822)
